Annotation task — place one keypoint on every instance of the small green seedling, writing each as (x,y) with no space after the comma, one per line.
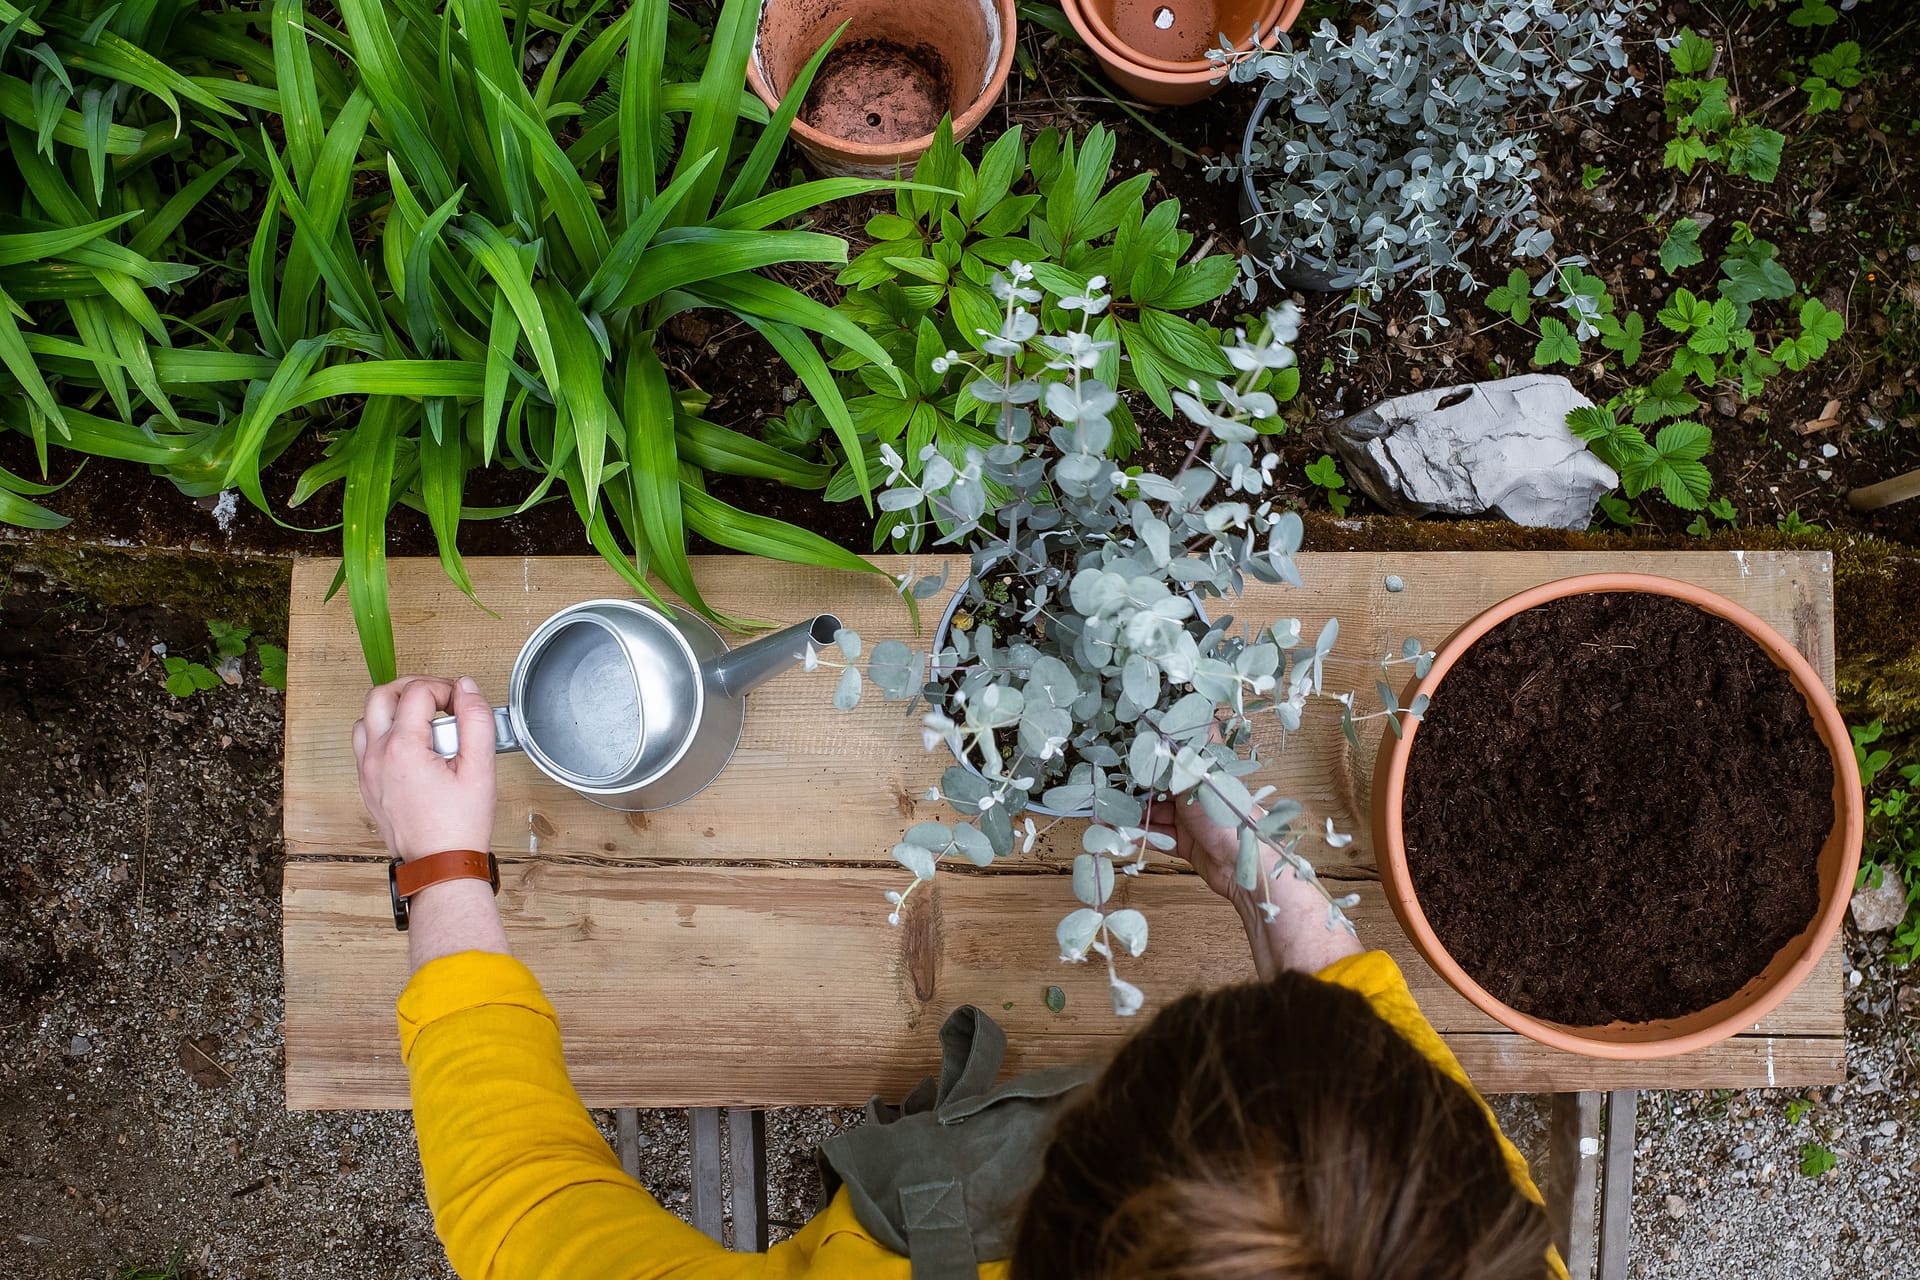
(1797,1110)
(1325,472)
(1815,1159)
(1681,248)
(1556,346)
(1514,299)
(1836,69)
(184,678)
(1592,176)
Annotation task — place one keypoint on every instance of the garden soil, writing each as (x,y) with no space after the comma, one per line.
(1615,808)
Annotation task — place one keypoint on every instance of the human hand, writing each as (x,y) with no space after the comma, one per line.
(1213,849)
(424,804)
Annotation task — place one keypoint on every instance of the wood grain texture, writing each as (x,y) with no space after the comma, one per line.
(812,784)
(721,986)
(775,980)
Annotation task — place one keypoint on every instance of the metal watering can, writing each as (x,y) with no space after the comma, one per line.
(632,707)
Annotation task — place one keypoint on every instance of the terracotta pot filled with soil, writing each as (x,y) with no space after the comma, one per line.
(893,74)
(1157,49)
(1629,821)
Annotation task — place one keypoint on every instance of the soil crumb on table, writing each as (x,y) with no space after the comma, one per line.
(1615,808)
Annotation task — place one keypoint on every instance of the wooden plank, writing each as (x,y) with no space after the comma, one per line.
(1573,1178)
(627,1129)
(772,804)
(1616,1205)
(786,986)
(747,1168)
(709,1207)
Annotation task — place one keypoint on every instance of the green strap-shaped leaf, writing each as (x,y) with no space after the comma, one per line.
(758,166)
(443,474)
(395,92)
(716,449)
(503,261)
(758,535)
(797,349)
(20,363)
(685,256)
(778,206)
(617,267)
(581,393)
(639,112)
(365,503)
(31,246)
(715,111)
(16,106)
(299,94)
(653,471)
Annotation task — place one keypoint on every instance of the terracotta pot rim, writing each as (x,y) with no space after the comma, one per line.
(1121,58)
(1096,32)
(1742,1013)
(907,149)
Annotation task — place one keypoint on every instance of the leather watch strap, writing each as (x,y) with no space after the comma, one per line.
(404,879)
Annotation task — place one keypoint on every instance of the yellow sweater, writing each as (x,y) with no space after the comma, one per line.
(522,1185)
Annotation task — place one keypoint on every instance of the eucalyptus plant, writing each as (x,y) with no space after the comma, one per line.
(1391,147)
(1090,675)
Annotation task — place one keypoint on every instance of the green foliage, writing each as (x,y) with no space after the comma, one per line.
(1513,299)
(229,640)
(1815,1159)
(1837,69)
(1670,462)
(527,265)
(1592,176)
(457,266)
(1705,127)
(1681,248)
(1792,523)
(1797,1109)
(1325,472)
(120,121)
(923,293)
(1052,205)
(1708,339)
(1113,699)
(1818,328)
(273,666)
(1813,13)
(1890,777)
(1056,1000)
(1556,345)
(186,678)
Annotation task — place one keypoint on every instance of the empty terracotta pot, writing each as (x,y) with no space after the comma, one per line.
(897,69)
(1838,862)
(1157,49)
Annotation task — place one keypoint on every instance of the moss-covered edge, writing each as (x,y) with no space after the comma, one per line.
(1876,584)
(251,590)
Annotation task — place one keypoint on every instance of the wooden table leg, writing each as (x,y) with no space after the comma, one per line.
(627,1126)
(747,1159)
(1573,1177)
(1616,1205)
(709,1214)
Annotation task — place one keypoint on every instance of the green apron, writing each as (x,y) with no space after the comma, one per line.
(941,1177)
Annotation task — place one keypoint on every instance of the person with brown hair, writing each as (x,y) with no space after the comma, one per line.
(1309,1125)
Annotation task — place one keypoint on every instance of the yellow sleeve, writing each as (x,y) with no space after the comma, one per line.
(1373,974)
(520,1181)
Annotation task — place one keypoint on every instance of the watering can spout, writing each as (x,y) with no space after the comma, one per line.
(752,665)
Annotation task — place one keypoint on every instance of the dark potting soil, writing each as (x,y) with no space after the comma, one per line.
(1614,810)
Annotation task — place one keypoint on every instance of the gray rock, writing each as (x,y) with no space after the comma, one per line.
(1882,908)
(1490,446)
(79,1047)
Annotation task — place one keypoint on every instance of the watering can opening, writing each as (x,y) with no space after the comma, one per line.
(582,702)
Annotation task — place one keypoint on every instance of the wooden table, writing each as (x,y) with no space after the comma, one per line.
(735,951)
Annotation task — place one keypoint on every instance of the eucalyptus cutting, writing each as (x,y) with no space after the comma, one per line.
(1080,671)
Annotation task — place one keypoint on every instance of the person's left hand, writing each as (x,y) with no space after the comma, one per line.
(422,803)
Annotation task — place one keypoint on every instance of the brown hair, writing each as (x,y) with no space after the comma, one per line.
(1279,1130)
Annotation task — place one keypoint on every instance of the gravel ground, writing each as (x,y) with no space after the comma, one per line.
(141,1107)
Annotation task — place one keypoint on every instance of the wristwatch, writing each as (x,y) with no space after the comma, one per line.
(404,879)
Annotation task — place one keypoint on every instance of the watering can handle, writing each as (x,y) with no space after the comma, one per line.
(445,734)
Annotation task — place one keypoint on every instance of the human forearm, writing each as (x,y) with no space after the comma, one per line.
(453,916)
(1294,933)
